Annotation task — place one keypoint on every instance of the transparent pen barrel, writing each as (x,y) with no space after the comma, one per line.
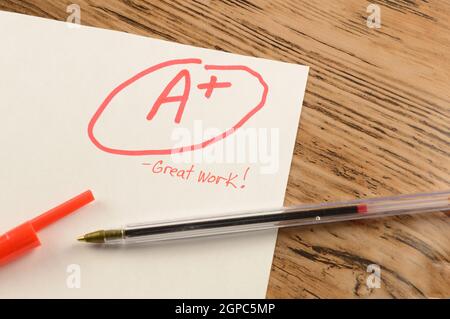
(287,217)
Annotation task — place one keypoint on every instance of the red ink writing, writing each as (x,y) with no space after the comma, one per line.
(208,177)
(228,180)
(160,167)
(211,85)
(245,176)
(166,96)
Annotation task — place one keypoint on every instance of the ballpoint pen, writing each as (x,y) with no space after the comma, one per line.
(273,218)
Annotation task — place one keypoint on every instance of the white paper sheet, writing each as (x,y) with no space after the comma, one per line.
(53,80)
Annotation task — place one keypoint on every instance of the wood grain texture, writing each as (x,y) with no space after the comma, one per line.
(375,122)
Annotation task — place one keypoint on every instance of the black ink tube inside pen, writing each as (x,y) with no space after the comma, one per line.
(239,221)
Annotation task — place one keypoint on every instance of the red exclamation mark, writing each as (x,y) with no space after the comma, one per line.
(245,176)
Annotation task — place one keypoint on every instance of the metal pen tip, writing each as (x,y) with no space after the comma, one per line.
(81,238)
(101,236)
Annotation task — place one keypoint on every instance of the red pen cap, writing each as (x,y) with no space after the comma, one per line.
(24,237)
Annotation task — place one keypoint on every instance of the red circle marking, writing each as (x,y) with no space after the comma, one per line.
(188,148)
